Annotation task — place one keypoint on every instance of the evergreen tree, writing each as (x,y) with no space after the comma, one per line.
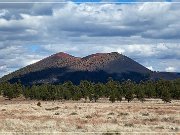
(12,90)
(8,92)
(112,97)
(119,97)
(59,90)
(111,86)
(129,87)
(68,90)
(139,91)
(26,92)
(175,89)
(129,95)
(96,91)
(85,88)
(119,92)
(17,89)
(77,95)
(166,96)
(141,95)
(149,89)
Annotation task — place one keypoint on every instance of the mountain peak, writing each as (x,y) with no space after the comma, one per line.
(96,67)
(63,55)
(115,53)
(98,55)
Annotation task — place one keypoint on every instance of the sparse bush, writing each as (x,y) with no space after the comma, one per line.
(111,113)
(123,114)
(160,127)
(129,125)
(52,109)
(145,114)
(176,129)
(73,113)
(3,110)
(39,104)
(107,133)
(111,133)
(151,119)
(56,113)
(88,117)
(79,127)
(168,119)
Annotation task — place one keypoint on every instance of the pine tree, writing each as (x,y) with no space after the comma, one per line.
(149,89)
(141,95)
(112,97)
(17,89)
(12,90)
(85,86)
(110,86)
(129,87)
(96,92)
(8,92)
(119,91)
(129,96)
(59,90)
(91,91)
(139,91)
(26,92)
(118,97)
(68,90)
(166,96)
(77,95)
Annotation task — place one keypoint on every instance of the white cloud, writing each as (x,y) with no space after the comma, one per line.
(3,67)
(170,69)
(150,68)
(3,12)
(148,33)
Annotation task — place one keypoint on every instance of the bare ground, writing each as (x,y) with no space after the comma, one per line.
(56,117)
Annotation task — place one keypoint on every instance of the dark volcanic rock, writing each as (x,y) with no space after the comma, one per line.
(98,67)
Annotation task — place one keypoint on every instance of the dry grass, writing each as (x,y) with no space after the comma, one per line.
(153,116)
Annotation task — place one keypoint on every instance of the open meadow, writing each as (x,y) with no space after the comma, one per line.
(69,117)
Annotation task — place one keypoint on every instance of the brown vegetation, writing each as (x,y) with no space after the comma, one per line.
(153,116)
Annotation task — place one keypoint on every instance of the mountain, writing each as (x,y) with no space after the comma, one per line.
(97,67)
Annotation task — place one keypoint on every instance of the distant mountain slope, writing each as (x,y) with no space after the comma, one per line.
(98,67)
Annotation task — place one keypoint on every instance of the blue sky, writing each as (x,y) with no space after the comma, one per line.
(122,1)
(147,32)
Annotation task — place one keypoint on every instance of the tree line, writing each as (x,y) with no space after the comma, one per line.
(113,90)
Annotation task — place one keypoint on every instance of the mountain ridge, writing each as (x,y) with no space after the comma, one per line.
(62,67)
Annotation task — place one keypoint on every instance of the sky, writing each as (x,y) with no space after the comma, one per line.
(146,31)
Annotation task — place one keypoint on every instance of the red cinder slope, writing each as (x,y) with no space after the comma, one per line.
(95,61)
(63,67)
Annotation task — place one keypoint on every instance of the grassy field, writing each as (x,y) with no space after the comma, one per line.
(150,117)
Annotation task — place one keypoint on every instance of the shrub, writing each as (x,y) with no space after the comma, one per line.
(145,114)
(128,125)
(88,117)
(73,113)
(39,104)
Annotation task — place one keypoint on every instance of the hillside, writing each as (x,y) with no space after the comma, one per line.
(97,67)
